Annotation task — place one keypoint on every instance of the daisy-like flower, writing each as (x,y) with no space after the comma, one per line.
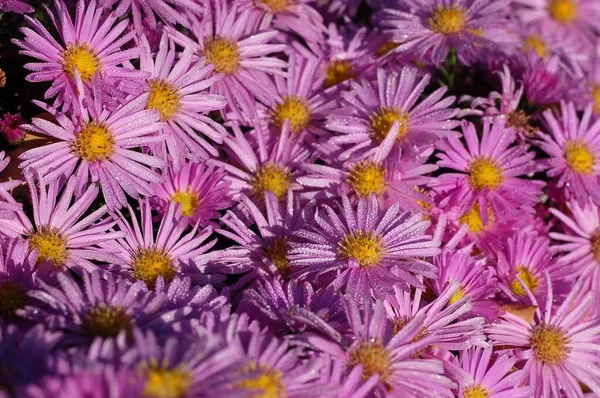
(549,81)
(98,147)
(266,252)
(441,318)
(177,93)
(17,277)
(488,168)
(480,373)
(89,55)
(171,11)
(387,355)
(103,307)
(200,189)
(144,255)
(63,237)
(558,348)
(368,113)
(430,28)
(10,128)
(524,260)
(368,249)
(253,169)
(228,36)
(574,150)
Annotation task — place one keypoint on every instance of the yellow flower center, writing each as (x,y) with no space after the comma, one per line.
(563,11)
(485,173)
(167,383)
(94,142)
(267,384)
(385,48)
(149,264)
(473,219)
(448,20)
(596,98)
(374,358)
(164,98)
(578,157)
(528,278)
(337,72)
(51,245)
(549,344)
(384,118)
(367,177)
(475,391)
(277,252)
(12,297)
(188,200)
(273,178)
(458,295)
(537,44)
(294,109)
(224,54)
(595,241)
(105,321)
(82,58)
(276,6)
(363,246)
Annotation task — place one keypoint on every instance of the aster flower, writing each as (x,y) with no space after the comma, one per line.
(89,55)
(479,372)
(367,249)
(390,356)
(102,308)
(63,237)
(98,147)
(572,144)
(441,317)
(200,189)
(177,93)
(549,81)
(17,277)
(144,255)
(430,28)
(557,348)
(368,112)
(228,36)
(171,11)
(488,168)
(10,128)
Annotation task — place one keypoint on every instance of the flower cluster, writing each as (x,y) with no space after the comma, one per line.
(300,198)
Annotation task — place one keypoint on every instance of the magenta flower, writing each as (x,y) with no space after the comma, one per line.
(10,128)
(177,92)
(558,348)
(430,28)
(365,249)
(98,147)
(89,55)
(20,7)
(548,81)
(171,11)
(200,189)
(574,149)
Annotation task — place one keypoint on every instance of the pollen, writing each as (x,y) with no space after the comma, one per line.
(485,173)
(267,384)
(273,178)
(277,252)
(82,58)
(94,142)
(188,200)
(364,246)
(473,219)
(384,118)
(374,358)
(385,48)
(448,21)
(475,391)
(223,53)
(12,297)
(367,177)
(458,295)
(563,11)
(401,322)
(579,157)
(536,44)
(528,278)
(338,71)
(167,383)
(164,98)
(106,321)
(549,344)
(51,245)
(149,264)
(276,6)
(595,241)
(596,98)
(294,109)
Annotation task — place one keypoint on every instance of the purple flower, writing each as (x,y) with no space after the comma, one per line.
(20,7)
(10,128)
(171,11)
(17,277)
